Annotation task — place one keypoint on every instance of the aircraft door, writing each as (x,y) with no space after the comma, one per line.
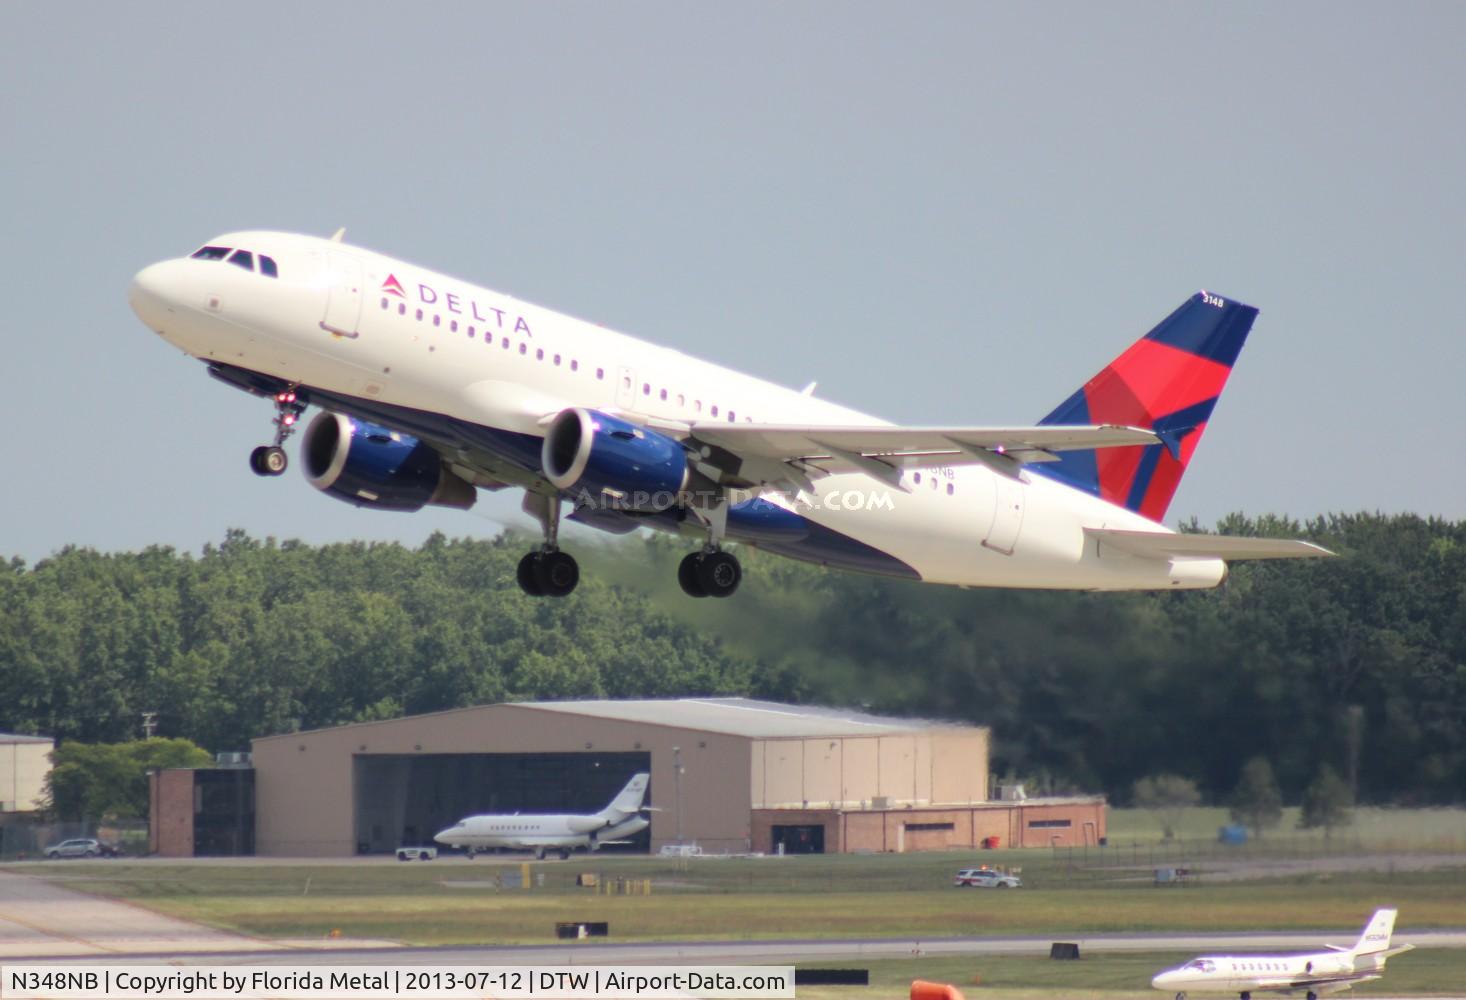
(1007,515)
(343,294)
(626,388)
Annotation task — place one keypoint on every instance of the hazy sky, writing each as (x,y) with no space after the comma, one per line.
(945,213)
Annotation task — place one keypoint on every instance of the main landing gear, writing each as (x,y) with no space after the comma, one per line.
(711,572)
(270,460)
(547,572)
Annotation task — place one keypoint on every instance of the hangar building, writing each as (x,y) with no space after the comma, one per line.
(729,774)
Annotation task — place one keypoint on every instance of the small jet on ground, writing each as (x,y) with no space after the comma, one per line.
(561,833)
(1311,974)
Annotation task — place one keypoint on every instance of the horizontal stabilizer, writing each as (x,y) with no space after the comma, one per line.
(1167,545)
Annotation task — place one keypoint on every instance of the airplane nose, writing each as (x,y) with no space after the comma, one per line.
(149,295)
(446,836)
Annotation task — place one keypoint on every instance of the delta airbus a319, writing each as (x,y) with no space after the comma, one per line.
(431,389)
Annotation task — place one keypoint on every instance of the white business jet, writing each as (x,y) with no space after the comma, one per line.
(432,389)
(563,833)
(1310,975)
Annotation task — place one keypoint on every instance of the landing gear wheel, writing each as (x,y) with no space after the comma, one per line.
(268,460)
(528,575)
(557,574)
(719,573)
(687,575)
(539,854)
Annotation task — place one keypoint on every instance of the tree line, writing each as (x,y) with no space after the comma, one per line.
(1358,662)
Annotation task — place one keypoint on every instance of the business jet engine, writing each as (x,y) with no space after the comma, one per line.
(373,466)
(603,461)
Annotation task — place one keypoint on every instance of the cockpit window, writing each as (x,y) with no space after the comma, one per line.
(1203,965)
(244,259)
(211,253)
(268,268)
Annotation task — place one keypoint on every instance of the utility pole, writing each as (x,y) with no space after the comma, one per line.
(150,723)
(677,787)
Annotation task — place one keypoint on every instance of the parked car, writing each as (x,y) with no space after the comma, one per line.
(416,853)
(986,878)
(80,847)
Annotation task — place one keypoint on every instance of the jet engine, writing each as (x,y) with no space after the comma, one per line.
(373,466)
(618,464)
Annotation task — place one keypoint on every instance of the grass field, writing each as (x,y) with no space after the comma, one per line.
(1067,895)
(454,901)
(1373,829)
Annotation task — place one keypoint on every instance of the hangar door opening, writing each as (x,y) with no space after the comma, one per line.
(403,799)
(800,839)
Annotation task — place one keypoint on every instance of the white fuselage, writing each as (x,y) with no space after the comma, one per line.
(1259,973)
(479,833)
(358,324)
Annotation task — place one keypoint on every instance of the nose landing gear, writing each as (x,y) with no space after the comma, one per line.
(270,460)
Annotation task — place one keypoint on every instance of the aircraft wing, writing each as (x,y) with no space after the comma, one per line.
(1167,545)
(882,451)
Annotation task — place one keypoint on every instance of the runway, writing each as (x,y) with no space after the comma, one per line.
(42,921)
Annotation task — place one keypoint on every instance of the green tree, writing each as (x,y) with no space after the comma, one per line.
(110,780)
(1167,796)
(1256,802)
(1327,802)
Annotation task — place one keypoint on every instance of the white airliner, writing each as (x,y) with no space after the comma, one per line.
(432,389)
(613,824)
(1312,974)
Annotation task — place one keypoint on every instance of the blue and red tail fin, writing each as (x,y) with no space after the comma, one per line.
(1168,381)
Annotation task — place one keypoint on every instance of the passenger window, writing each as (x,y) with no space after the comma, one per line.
(664,395)
(917,477)
(384,303)
(210,253)
(506,343)
(557,361)
(470,331)
(523,348)
(419,314)
(697,405)
(437,320)
(600,373)
(646,388)
(574,365)
(732,417)
(715,409)
(402,309)
(453,326)
(268,268)
(244,259)
(681,399)
(950,489)
(539,354)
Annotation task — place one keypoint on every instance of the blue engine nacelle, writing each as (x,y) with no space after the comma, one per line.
(373,466)
(604,461)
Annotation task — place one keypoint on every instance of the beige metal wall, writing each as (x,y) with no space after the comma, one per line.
(304,796)
(23,770)
(919,767)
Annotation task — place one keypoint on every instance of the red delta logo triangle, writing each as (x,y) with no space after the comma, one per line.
(393,287)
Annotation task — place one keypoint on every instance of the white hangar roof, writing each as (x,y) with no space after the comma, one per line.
(740,717)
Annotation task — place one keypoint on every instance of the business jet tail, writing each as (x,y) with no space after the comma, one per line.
(1168,382)
(1376,935)
(628,801)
